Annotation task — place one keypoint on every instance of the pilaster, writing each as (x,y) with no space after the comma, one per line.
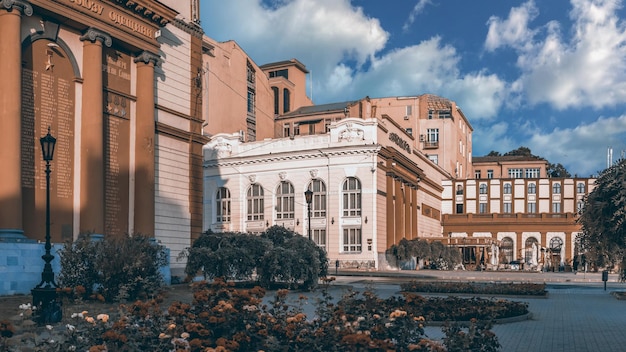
(92,133)
(144,208)
(10,117)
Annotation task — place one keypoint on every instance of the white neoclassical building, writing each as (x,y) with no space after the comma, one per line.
(370,187)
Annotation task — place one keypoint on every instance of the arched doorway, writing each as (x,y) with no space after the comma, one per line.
(506,249)
(531,251)
(556,245)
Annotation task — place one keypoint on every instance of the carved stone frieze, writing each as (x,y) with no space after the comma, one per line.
(351,133)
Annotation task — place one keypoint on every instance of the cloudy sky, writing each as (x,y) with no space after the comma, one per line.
(544,74)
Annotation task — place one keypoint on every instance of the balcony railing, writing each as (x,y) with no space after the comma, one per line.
(431,145)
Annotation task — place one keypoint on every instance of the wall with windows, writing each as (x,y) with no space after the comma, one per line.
(517,213)
(359,173)
(236,92)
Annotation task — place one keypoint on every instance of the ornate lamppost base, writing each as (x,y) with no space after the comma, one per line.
(48,307)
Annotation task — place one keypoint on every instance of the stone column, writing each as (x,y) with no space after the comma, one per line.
(389,211)
(92,133)
(144,145)
(10,117)
(399,214)
(408,218)
(414,214)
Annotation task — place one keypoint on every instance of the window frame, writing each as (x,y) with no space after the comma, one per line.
(255,203)
(351,197)
(319,203)
(352,240)
(285,198)
(222,205)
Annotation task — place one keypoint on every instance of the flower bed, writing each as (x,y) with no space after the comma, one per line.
(478,288)
(224,318)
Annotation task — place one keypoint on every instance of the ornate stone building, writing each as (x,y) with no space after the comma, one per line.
(114,82)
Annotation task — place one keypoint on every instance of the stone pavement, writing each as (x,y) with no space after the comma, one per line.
(577,315)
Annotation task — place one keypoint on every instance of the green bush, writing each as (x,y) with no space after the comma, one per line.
(278,257)
(231,255)
(116,268)
(439,256)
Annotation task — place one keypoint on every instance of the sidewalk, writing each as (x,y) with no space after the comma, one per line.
(578,315)
(509,276)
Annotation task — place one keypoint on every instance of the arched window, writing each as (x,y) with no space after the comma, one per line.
(507,188)
(286,103)
(254,198)
(580,206)
(483,188)
(506,249)
(556,243)
(222,205)
(580,187)
(285,201)
(276,99)
(531,253)
(318,205)
(351,195)
(532,188)
(556,188)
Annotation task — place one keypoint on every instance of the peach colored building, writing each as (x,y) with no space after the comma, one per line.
(113,80)
(509,166)
(237,95)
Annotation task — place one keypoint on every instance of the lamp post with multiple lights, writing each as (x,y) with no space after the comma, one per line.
(308,195)
(44,294)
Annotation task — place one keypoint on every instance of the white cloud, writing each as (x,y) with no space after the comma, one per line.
(492,137)
(583,148)
(588,69)
(417,9)
(513,31)
(341,47)
(320,33)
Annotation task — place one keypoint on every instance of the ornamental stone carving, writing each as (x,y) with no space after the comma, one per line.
(314,173)
(252,178)
(94,34)
(222,148)
(19,5)
(147,57)
(351,133)
(282,175)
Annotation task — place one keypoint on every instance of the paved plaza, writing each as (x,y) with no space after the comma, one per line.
(577,315)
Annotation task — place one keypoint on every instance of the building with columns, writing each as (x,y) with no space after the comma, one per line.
(371,188)
(114,82)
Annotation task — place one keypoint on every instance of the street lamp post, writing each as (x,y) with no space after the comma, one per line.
(308,195)
(44,294)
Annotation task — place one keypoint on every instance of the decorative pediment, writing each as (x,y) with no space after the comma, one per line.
(223,148)
(351,133)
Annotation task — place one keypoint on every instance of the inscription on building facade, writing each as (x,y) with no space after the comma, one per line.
(48,96)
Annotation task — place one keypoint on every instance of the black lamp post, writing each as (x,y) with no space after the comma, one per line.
(44,294)
(308,195)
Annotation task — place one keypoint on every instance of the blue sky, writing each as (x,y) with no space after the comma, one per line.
(548,75)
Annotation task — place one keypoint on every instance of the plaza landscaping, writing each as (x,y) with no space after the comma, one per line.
(220,316)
